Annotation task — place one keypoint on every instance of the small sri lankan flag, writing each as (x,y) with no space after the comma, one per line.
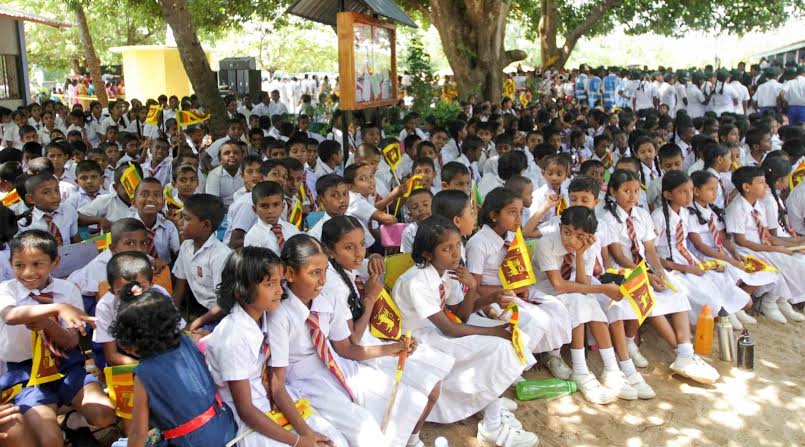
(186,118)
(393,155)
(130,179)
(102,241)
(295,216)
(386,320)
(153,115)
(11,198)
(516,270)
(120,384)
(637,290)
(797,175)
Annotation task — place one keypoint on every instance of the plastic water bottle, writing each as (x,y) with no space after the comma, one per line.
(704,332)
(544,389)
(441,441)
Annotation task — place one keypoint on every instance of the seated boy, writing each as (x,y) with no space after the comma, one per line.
(225,179)
(149,201)
(89,176)
(58,152)
(330,157)
(332,194)
(271,231)
(201,256)
(158,164)
(456,176)
(48,213)
(360,179)
(419,209)
(241,212)
(105,209)
(53,309)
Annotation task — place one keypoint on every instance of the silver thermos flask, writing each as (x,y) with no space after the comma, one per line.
(746,351)
(726,349)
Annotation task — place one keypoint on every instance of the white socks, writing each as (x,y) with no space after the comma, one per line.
(491,419)
(684,350)
(413,440)
(579,362)
(627,366)
(630,341)
(555,353)
(608,357)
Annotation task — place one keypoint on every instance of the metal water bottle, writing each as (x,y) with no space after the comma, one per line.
(746,351)
(726,350)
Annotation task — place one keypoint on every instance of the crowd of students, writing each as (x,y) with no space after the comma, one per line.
(231,310)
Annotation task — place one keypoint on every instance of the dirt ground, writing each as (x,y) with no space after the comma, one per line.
(764,408)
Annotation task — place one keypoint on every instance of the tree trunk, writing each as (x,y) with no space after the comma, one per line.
(195,63)
(93,63)
(552,55)
(472,33)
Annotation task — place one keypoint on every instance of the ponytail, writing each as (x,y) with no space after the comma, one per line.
(666,214)
(353,300)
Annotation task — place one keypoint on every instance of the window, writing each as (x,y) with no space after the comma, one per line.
(9,77)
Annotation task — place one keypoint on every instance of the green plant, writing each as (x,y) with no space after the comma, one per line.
(422,79)
(444,112)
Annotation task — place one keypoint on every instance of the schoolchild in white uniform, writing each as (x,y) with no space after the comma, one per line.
(486,362)
(271,231)
(105,209)
(796,208)
(241,213)
(556,171)
(34,299)
(238,353)
(713,288)
(549,319)
(631,240)
(90,184)
(149,201)
(48,213)
(748,225)
(359,179)
(708,239)
(312,350)
(354,284)
(159,163)
(418,205)
(561,261)
(718,161)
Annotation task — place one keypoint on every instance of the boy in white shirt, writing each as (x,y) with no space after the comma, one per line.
(48,213)
(332,196)
(359,177)
(89,178)
(149,201)
(201,256)
(224,180)
(330,157)
(270,231)
(105,209)
(241,213)
(158,165)
(419,208)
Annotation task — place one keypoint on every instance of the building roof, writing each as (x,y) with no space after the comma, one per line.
(325,11)
(790,47)
(13,14)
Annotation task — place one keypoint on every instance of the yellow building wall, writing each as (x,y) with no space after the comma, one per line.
(151,71)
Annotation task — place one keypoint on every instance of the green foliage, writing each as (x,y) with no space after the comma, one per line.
(444,112)
(422,79)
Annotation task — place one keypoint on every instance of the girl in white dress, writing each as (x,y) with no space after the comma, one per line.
(311,350)
(705,287)
(486,363)
(749,226)
(354,284)
(499,217)
(631,240)
(237,354)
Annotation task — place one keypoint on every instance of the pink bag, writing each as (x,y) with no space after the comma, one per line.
(391,235)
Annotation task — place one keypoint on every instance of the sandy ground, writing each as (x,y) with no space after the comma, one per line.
(764,408)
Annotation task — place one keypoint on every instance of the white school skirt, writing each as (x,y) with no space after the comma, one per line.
(485,366)
(582,308)
(792,270)
(549,314)
(716,290)
(358,421)
(315,421)
(669,301)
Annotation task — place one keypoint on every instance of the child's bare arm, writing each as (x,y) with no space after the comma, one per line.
(71,316)
(213,314)
(114,357)
(256,419)
(138,431)
(384,217)
(179,291)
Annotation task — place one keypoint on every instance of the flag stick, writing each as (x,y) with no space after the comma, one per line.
(397,378)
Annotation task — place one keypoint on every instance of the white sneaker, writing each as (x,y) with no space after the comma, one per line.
(558,368)
(735,322)
(696,369)
(592,389)
(616,382)
(637,358)
(788,311)
(770,310)
(745,318)
(508,404)
(506,436)
(644,391)
(508,418)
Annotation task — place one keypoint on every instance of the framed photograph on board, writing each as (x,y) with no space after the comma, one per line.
(367,61)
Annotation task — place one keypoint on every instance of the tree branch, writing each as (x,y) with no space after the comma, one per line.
(416,5)
(593,17)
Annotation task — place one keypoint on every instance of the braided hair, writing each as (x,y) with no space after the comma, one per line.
(616,179)
(773,170)
(670,182)
(332,231)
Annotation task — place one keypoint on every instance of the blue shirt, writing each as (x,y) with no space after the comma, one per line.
(610,90)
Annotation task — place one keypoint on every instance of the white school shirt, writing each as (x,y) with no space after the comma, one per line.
(15,341)
(240,193)
(743,95)
(65,218)
(44,135)
(416,293)
(796,208)
(408,236)
(644,95)
(108,206)
(405,166)
(241,216)
(261,235)
(88,277)
(795,91)
(703,229)
(235,352)
(215,148)
(322,169)
(79,198)
(162,172)
(108,178)
(485,253)
(450,151)
(721,189)
(166,236)
(472,166)
(739,218)
(617,232)
(767,93)
(202,269)
(550,254)
(540,195)
(749,160)
(277,108)
(489,182)
(106,314)
(223,184)
(109,121)
(660,225)
(417,131)
(654,193)
(360,208)
(12,133)
(723,98)
(772,209)
(649,172)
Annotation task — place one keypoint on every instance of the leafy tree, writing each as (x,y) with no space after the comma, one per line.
(93,63)
(422,79)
